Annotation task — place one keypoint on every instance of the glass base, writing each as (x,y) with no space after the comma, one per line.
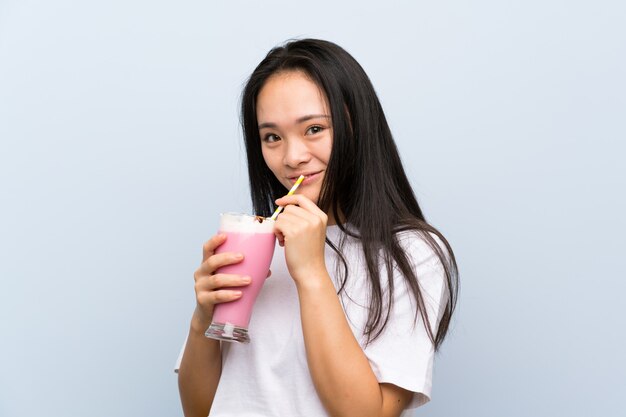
(227,332)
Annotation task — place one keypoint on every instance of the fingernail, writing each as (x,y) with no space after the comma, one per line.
(246,280)
(237,293)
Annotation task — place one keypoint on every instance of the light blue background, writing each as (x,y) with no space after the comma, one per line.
(120,144)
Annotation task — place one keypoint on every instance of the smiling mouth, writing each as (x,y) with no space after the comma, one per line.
(307,177)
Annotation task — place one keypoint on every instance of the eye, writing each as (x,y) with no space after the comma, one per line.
(270,138)
(314,130)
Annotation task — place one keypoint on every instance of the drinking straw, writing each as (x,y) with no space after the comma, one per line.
(293,190)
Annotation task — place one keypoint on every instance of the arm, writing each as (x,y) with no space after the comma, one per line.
(199,372)
(201,365)
(341,372)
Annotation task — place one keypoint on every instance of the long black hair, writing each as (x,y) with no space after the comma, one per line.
(364,183)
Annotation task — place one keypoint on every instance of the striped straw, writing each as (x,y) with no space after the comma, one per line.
(293,190)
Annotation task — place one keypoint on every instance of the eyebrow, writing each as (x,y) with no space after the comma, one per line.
(298,121)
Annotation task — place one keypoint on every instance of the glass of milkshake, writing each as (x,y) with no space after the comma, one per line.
(253,236)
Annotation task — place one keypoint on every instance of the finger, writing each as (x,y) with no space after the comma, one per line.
(210,245)
(296,218)
(295,213)
(219,260)
(301,201)
(210,298)
(219,281)
(297,199)
(279,234)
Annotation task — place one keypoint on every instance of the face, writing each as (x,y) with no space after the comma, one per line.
(296,131)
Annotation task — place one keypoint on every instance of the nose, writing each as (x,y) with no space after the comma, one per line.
(296,153)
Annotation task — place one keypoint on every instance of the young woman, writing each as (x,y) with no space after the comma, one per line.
(361,296)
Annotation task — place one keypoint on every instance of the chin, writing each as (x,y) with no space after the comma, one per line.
(312,195)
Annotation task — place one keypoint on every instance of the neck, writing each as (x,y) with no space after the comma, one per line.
(332,221)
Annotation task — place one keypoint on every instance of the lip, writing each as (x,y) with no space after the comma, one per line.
(308,177)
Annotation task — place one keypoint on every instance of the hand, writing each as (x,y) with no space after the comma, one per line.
(212,288)
(301,229)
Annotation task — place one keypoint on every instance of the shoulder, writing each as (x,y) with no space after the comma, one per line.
(423,248)
(428,257)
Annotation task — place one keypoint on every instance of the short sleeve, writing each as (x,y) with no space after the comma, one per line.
(180,357)
(403,354)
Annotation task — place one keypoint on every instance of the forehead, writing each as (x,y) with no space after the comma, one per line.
(289,95)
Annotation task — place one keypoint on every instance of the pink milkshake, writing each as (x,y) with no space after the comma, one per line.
(256,240)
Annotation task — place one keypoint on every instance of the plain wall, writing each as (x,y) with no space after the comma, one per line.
(120,144)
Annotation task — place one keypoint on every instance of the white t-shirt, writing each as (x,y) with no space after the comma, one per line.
(270,376)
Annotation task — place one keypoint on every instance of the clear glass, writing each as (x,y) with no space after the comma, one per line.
(256,241)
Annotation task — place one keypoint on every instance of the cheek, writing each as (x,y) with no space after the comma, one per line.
(325,149)
(269,159)
(274,162)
